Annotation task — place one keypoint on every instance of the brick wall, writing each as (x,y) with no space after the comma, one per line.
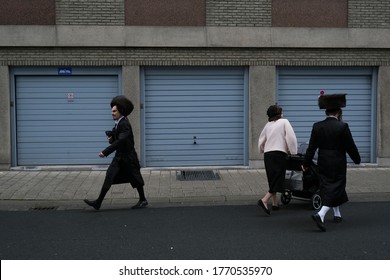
(165,13)
(244,13)
(369,13)
(193,57)
(27,12)
(90,12)
(310,13)
(238,13)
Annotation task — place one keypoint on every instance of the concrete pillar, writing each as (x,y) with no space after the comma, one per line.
(383,116)
(132,90)
(5,120)
(262,84)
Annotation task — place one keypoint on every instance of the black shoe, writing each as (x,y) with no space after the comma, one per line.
(140,204)
(275,208)
(262,206)
(337,219)
(92,203)
(318,221)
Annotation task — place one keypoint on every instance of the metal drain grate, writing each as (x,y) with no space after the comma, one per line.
(197,175)
(45,208)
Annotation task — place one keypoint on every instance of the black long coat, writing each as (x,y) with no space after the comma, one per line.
(333,139)
(125,167)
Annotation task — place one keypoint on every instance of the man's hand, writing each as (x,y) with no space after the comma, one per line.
(101,155)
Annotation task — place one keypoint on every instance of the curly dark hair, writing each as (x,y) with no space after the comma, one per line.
(124,105)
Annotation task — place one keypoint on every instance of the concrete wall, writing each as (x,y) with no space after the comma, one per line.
(5,120)
(262,85)
(131,89)
(383,116)
(224,37)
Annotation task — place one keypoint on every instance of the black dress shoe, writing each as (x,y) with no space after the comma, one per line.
(337,219)
(92,203)
(318,221)
(140,204)
(262,206)
(275,208)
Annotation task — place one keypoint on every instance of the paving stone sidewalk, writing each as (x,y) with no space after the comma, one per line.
(65,189)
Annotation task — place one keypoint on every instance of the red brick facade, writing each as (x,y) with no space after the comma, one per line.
(27,12)
(165,13)
(310,13)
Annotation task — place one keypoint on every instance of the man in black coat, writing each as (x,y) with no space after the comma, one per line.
(125,167)
(333,139)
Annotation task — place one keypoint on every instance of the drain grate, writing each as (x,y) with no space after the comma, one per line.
(197,175)
(44,208)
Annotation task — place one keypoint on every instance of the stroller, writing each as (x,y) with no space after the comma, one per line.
(301,184)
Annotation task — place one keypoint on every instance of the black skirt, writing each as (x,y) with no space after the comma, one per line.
(275,168)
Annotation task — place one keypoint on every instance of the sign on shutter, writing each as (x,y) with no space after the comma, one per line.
(60,120)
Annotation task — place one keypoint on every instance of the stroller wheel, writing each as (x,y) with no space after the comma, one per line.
(286,197)
(316,201)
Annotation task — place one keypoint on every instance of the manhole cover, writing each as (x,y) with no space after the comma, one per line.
(44,208)
(197,175)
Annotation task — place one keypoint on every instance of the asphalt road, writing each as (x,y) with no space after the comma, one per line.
(196,233)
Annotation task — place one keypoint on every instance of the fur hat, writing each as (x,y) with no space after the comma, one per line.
(124,105)
(332,101)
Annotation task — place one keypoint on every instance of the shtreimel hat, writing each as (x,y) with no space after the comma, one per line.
(332,101)
(124,105)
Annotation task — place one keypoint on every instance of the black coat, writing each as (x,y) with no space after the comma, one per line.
(333,139)
(125,159)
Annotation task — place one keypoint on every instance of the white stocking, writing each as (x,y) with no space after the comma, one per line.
(336,211)
(323,211)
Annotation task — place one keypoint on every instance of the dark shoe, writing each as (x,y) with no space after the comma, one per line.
(262,206)
(275,208)
(318,221)
(337,219)
(140,204)
(93,203)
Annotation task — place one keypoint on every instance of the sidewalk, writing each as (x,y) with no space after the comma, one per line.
(23,190)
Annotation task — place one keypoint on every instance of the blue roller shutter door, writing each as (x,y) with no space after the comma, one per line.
(60,120)
(299,88)
(194,117)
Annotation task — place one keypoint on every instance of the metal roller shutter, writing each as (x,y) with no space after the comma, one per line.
(60,120)
(299,88)
(194,117)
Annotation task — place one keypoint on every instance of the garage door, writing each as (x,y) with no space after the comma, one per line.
(194,117)
(62,119)
(299,88)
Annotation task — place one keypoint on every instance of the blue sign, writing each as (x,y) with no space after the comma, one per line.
(65,71)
